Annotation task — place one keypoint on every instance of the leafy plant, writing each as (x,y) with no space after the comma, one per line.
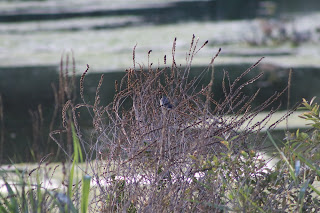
(25,196)
(299,164)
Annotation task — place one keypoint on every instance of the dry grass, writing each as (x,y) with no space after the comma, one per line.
(158,155)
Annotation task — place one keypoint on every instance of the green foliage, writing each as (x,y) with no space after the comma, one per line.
(229,182)
(25,196)
(77,156)
(299,164)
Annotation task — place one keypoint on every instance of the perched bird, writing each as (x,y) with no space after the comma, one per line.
(164,101)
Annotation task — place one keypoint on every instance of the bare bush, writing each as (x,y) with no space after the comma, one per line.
(165,144)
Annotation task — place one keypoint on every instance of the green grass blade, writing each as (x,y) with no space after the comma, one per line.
(314,189)
(13,205)
(291,170)
(5,202)
(85,193)
(39,194)
(71,179)
(3,210)
(76,144)
(77,157)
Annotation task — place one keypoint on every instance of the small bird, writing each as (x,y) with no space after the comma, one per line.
(164,101)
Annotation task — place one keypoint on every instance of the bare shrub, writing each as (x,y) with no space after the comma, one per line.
(166,145)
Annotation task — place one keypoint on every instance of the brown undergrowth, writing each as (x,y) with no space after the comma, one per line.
(165,144)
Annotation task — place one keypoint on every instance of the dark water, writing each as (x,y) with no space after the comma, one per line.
(23,89)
